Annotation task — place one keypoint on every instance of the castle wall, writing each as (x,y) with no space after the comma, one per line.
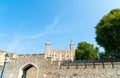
(90,72)
(47,69)
(14,67)
(2,57)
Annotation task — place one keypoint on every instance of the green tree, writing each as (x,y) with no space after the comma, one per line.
(86,51)
(103,55)
(108,33)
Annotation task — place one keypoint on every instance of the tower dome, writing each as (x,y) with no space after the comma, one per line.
(48,42)
(71,42)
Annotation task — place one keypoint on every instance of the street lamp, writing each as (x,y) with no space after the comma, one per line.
(5,61)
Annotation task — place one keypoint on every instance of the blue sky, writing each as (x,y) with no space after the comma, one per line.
(26,25)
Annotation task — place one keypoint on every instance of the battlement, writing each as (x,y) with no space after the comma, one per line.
(29,55)
(90,63)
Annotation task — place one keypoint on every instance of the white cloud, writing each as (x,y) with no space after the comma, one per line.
(53,24)
(54,28)
(18,40)
(49,29)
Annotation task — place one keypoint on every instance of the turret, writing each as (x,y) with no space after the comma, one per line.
(47,49)
(72,50)
(72,46)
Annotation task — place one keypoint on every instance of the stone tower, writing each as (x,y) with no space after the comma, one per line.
(72,49)
(47,49)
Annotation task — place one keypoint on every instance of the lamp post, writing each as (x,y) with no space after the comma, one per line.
(5,61)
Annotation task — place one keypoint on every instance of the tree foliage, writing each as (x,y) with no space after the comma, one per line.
(108,32)
(86,51)
(103,55)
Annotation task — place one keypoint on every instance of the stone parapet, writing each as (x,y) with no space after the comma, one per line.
(44,68)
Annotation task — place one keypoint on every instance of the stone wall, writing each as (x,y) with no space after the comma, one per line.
(13,67)
(87,72)
(2,57)
(90,71)
(46,69)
